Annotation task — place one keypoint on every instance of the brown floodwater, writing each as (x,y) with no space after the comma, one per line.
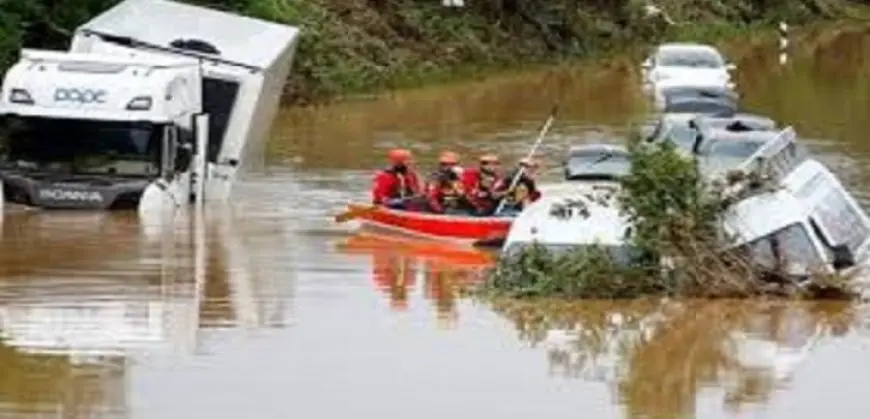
(272,311)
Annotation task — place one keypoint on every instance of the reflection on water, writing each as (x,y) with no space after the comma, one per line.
(269,310)
(399,265)
(660,356)
(71,318)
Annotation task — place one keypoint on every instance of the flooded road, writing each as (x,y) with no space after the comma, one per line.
(272,311)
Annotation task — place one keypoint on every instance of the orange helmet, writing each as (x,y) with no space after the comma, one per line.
(399,156)
(448,157)
(489,158)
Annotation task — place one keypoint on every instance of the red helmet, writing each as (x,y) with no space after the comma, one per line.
(448,157)
(488,158)
(399,156)
(528,162)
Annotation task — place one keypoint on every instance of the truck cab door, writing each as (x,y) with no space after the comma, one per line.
(171,188)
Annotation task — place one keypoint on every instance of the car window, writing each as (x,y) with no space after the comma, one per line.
(685,57)
(841,220)
(598,163)
(682,136)
(788,250)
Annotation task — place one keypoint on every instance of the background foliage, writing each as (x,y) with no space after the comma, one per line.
(362,45)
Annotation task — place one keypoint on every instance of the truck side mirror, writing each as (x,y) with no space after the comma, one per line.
(731,66)
(646,64)
(843,257)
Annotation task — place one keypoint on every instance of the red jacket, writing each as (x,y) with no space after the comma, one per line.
(442,193)
(477,193)
(389,184)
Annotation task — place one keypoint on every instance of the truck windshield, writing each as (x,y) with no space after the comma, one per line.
(789,250)
(81,146)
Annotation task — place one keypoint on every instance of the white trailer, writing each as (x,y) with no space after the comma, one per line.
(156,102)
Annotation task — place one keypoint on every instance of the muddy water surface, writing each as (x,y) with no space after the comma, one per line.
(271,311)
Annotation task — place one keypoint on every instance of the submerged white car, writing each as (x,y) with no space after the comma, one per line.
(686,64)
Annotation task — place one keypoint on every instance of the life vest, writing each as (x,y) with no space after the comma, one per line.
(487,181)
(405,188)
(451,193)
(450,190)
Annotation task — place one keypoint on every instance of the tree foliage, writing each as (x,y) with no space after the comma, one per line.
(361,45)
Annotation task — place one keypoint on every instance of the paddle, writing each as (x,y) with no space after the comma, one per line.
(355,213)
(359,212)
(535,146)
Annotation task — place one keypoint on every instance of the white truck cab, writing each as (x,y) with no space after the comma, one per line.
(168,100)
(94,131)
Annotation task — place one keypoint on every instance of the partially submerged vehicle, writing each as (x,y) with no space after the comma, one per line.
(810,224)
(588,165)
(694,105)
(719,150)
(687,64)
(665,98)
(567,223)
(156,103)
(688,130)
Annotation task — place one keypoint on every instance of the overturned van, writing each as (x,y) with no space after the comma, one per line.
(809,224)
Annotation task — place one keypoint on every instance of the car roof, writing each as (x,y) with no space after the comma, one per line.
(685,46)
(737,121)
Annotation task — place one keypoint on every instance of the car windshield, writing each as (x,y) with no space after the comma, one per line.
(724,155)
(697,105)
(622,255)
(681,135)
(597,164)
(789,250)
(686,57)
(81,146)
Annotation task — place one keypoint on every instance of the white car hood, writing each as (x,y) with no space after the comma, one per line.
(672,76)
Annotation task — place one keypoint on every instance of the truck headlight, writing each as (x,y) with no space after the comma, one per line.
(139,103)
(20,96)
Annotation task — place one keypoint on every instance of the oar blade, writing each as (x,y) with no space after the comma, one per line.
(355,213)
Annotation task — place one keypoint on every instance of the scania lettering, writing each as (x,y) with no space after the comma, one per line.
(70,195)
(145,111)
(83,96)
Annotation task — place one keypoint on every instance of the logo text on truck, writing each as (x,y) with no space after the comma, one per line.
(83,96)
